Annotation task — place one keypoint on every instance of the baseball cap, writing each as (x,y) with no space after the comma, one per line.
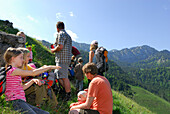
(94,42)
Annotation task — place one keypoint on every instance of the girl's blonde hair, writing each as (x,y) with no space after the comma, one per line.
(25,51)
(9,53)
(19,33)
(93,47)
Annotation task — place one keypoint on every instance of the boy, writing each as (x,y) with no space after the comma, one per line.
(79,74)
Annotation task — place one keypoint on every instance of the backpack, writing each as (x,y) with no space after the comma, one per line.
(101,59)
(3,72)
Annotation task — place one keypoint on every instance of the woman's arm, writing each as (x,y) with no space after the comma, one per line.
(24,73)
(91,55)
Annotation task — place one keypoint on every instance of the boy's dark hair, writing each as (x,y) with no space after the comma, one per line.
(80,59)
(90,68)
(60,25)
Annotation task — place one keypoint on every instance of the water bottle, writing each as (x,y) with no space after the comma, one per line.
(52,46)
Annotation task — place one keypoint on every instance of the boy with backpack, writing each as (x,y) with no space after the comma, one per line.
(79,74)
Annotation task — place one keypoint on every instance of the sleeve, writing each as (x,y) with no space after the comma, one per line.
(11,70)
(93,89)
(29,67)
(61,39)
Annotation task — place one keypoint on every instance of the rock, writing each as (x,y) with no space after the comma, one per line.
(9,40)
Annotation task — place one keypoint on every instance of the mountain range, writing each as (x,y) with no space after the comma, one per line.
(138,57)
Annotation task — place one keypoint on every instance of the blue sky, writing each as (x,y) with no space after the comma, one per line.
(116,24)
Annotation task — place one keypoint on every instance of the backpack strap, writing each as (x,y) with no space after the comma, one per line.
(8,68)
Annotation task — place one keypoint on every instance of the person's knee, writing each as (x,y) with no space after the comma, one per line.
(73,112)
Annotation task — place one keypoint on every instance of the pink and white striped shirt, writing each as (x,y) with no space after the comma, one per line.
(14,89)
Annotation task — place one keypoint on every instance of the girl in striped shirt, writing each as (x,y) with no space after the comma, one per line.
(14,87)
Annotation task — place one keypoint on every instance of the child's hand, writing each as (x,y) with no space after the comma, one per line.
(37,81)
(52,50)
(44,66)
(55,67)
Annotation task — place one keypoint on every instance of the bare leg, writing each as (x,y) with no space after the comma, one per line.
(67,85)
(61,82)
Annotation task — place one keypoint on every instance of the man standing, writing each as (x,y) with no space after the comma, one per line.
(63,57)
(99,94)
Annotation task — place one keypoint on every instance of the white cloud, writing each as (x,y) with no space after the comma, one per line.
(37,37)
(72,34)
(32,19)
(58,15)
(71,14)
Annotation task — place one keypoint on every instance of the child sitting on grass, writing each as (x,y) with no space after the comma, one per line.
(82,95)
(14,88)
(37,95)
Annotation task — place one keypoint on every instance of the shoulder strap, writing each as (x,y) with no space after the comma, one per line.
(8,68)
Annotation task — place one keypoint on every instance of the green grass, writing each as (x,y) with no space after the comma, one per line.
(121,105)
(151,101)
(124,105)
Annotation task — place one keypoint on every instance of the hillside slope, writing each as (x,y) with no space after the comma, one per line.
(124,105)
(42,56)
(151,101)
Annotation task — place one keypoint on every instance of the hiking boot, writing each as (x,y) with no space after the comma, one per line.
(67,97)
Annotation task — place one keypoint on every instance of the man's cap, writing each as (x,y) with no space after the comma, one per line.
(94,42)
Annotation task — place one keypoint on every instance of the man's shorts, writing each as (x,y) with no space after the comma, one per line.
(63,72)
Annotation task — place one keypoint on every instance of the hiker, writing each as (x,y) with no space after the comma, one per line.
(20,33)
(82,95)
(100,58)
(93,47)
(31,54)
(49,88)
(79,74)
(35,94)
(73,61)
(63,50)
(99,94)
(71,70)
(14,88)
(71,67)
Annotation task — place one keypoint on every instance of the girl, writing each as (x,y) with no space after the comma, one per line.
(26,57)
(25,65)
(40,92)
(14,88)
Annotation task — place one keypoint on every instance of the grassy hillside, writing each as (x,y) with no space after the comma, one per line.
(151,101)
(124,105)
(121,105)
(42,56)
